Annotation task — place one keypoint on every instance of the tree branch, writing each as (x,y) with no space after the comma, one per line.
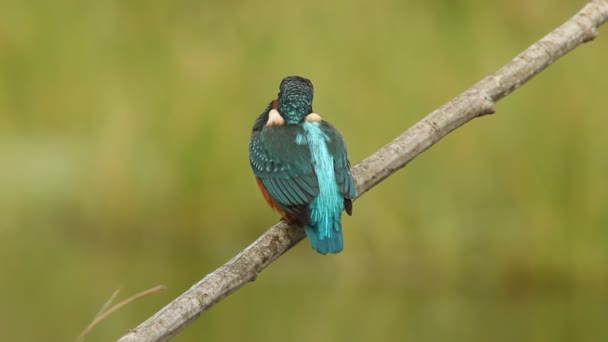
(476,101)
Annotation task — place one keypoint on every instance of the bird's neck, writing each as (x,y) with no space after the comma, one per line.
(295,110)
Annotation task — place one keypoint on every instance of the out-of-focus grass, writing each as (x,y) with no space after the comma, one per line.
(123,162)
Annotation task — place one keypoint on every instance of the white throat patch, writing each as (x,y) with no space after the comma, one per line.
(313,117)
(275,119)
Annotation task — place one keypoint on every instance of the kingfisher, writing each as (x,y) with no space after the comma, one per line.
(301,165)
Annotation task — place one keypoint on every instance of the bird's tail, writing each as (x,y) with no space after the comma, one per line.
(325,235)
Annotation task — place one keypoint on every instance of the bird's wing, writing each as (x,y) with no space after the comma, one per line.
(344,177)
(284,168)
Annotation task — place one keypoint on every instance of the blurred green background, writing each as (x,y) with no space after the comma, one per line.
(124,128)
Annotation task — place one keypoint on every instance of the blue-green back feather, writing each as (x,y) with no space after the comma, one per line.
(337,148)
(324,229)
(284,167)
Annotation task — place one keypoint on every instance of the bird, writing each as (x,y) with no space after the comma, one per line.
(301,165)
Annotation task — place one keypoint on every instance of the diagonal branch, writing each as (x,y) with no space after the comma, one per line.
(476,101)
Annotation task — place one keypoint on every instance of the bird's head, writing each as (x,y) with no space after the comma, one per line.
(295,99)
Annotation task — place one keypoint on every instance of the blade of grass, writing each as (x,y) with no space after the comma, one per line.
(104,314)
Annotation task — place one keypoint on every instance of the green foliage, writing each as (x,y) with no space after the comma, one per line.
(123,163)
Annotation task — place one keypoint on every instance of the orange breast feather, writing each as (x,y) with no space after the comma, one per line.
(271,202)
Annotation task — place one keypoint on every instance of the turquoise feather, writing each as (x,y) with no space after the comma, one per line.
(324,229)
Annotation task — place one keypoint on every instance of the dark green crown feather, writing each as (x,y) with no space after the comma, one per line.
(295,99)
